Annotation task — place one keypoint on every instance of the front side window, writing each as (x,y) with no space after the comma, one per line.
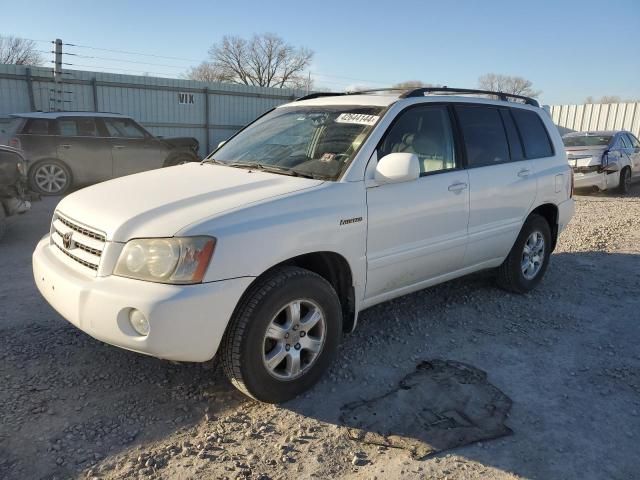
(123,128)
(425,131)
(534,135)
(484,135)
(307,141)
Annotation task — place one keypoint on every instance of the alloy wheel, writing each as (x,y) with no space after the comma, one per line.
(50,178)
(532,255)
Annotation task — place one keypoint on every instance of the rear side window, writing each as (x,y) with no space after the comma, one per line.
(534,135)
(484,135)
(623,142)
(515,146)
(36,126)
(633,141)
(77,127)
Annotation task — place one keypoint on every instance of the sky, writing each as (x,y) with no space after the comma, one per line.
(568,49)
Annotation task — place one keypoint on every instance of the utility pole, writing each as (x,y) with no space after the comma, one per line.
(58,96)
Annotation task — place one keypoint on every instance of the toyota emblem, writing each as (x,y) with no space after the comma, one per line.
(67,241)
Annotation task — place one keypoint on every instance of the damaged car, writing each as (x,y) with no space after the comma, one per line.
(69,149)
(603,160)
(12,185)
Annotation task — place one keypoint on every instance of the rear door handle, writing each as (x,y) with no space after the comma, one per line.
(525,172)
(66,145)
(457,187)
(119,147)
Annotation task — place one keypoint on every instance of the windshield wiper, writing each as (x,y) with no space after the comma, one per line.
(213,160)
(272,169)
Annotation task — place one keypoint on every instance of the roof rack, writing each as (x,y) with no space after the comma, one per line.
(319,94)
(419,92)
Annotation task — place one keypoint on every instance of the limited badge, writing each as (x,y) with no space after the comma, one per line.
(358,118)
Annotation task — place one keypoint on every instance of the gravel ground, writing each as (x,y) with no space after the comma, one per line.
(567,355)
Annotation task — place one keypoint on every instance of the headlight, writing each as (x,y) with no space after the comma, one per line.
(166,260)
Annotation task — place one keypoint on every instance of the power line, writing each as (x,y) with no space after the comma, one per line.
(130,53)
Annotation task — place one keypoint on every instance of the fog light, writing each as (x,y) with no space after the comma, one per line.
(139,323)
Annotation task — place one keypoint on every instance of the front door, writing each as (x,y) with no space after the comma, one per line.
(132,148)
(417,230)
(83,150)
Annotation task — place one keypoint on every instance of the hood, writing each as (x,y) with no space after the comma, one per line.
(161,202)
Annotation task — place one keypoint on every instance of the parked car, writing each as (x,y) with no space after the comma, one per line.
(12,185)
(66,149)
(266,252)
(603,160)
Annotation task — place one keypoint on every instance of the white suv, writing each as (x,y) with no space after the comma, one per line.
(266,251)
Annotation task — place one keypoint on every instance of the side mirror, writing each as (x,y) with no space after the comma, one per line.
(222,143)
(397,168)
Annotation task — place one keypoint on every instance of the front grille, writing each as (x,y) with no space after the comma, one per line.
(85,245)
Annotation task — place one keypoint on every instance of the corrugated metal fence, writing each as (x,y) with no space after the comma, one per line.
(606,116)
(210,112)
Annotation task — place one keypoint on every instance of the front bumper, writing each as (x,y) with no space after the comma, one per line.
(187,321)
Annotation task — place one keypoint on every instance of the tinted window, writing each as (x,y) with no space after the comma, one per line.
(484,136)
(623,142)
(36,126)
(425,131)
(515,146)
(534,135)
(633,141)
(77,127)
(123,127)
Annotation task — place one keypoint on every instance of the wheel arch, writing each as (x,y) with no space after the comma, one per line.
(549,212)
(335,269)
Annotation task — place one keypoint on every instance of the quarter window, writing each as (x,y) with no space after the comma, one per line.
(534,135)
(633,141)
(425,131)
(484,135)
(623,142)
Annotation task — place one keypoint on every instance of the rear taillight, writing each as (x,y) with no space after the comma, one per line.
(15,143)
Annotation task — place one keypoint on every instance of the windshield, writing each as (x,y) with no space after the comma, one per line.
(310,141)
(586,140)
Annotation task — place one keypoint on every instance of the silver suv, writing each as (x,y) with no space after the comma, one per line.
(65,149)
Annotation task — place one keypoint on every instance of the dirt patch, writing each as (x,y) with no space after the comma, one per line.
(442,405)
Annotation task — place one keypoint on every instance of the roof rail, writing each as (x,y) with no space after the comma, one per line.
(419,92)
(318,95)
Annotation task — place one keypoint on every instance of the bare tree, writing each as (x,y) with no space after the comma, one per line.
(264,60)
(507,84)
(19,51)
(609,99)
(413,84)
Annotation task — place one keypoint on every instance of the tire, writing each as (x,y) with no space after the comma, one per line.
(50,177)
(625,181)
(246,345)
(3,222)
(512,275)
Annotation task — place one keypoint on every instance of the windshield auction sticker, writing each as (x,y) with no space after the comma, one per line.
(359,118)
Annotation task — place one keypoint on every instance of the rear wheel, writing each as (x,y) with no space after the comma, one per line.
(283,335)
(50,177)
(528,260)
(625,181)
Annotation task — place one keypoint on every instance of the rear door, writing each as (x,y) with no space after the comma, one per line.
(83,150)
(503,181)
(133,149)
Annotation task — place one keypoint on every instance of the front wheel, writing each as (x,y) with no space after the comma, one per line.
(528,260)
(283,336)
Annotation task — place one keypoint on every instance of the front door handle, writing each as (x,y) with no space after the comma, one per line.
(66,145)
(525,172)
(457,187)
(118,147)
